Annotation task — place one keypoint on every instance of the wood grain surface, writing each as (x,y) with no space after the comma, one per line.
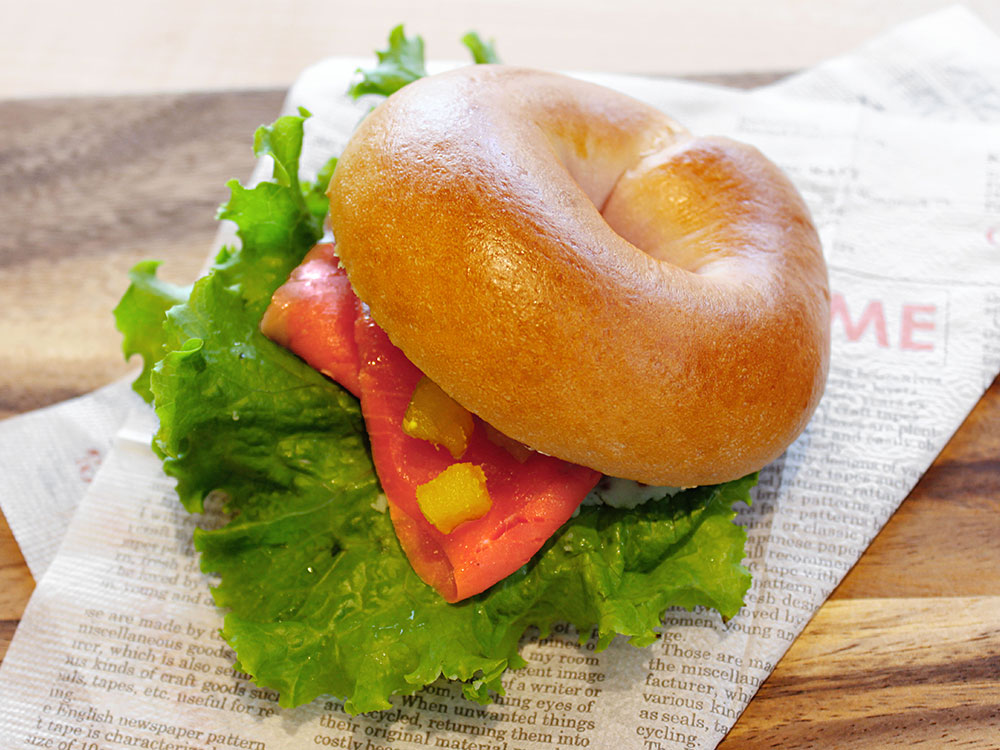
(905,653)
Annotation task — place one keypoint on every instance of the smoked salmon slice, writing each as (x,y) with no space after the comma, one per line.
(532,494)
(312,314)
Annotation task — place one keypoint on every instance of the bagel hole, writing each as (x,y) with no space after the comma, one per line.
(660,218)
(639,205)
(644,233)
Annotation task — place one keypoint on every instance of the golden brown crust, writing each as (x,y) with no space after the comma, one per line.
(679,339)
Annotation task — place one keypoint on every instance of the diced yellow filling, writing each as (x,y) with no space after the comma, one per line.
(456,495)
(435,416)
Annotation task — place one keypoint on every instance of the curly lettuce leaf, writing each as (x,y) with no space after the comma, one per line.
(349,617)
(402,62)
(320,597)
(316,201)
(482,51)
(139,317)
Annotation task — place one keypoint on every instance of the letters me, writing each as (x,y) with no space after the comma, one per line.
(917,323)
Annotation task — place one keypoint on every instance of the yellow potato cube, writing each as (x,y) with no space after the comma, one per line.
(435,416)
(456,495)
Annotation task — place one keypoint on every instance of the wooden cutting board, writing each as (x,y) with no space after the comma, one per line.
(907,650)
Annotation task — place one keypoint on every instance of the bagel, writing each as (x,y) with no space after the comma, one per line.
(575,268)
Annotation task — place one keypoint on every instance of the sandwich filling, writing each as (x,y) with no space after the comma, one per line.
(469,505)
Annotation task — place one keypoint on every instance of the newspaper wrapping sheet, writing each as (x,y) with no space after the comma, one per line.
(119,646)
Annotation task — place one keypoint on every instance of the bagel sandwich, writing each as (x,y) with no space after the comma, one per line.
(342,573)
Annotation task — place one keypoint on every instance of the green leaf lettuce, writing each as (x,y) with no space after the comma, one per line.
(482,51)
(402,62)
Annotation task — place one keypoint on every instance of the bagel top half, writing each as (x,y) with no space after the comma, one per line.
(576,269)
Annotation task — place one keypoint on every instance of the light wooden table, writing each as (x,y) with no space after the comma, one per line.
(907,650)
